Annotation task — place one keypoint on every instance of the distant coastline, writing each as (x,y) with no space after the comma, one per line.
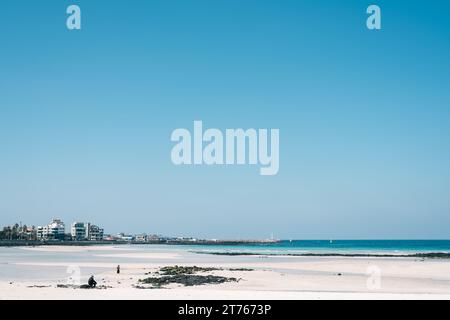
(36,243)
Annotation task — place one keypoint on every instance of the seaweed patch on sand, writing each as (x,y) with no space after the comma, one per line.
(83,286)
(186,276)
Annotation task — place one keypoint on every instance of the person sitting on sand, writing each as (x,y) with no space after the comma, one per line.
(91,282)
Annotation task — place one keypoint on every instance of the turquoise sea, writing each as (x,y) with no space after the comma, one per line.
(337,246)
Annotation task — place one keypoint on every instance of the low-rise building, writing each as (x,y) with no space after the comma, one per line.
(124,237)
(154,237)
(141,238)
(30,233)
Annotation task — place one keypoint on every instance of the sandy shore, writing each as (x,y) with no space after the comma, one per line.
(270,277)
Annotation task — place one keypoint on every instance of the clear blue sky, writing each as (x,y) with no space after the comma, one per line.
(364,117)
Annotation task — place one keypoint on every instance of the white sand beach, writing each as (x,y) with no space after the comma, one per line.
(34,273)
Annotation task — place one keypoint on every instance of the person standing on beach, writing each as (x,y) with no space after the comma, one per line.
(118,269)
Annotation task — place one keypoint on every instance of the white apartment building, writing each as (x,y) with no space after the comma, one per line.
(54,231)
(78,231)
(95,233)
(141,238)
(81,231)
